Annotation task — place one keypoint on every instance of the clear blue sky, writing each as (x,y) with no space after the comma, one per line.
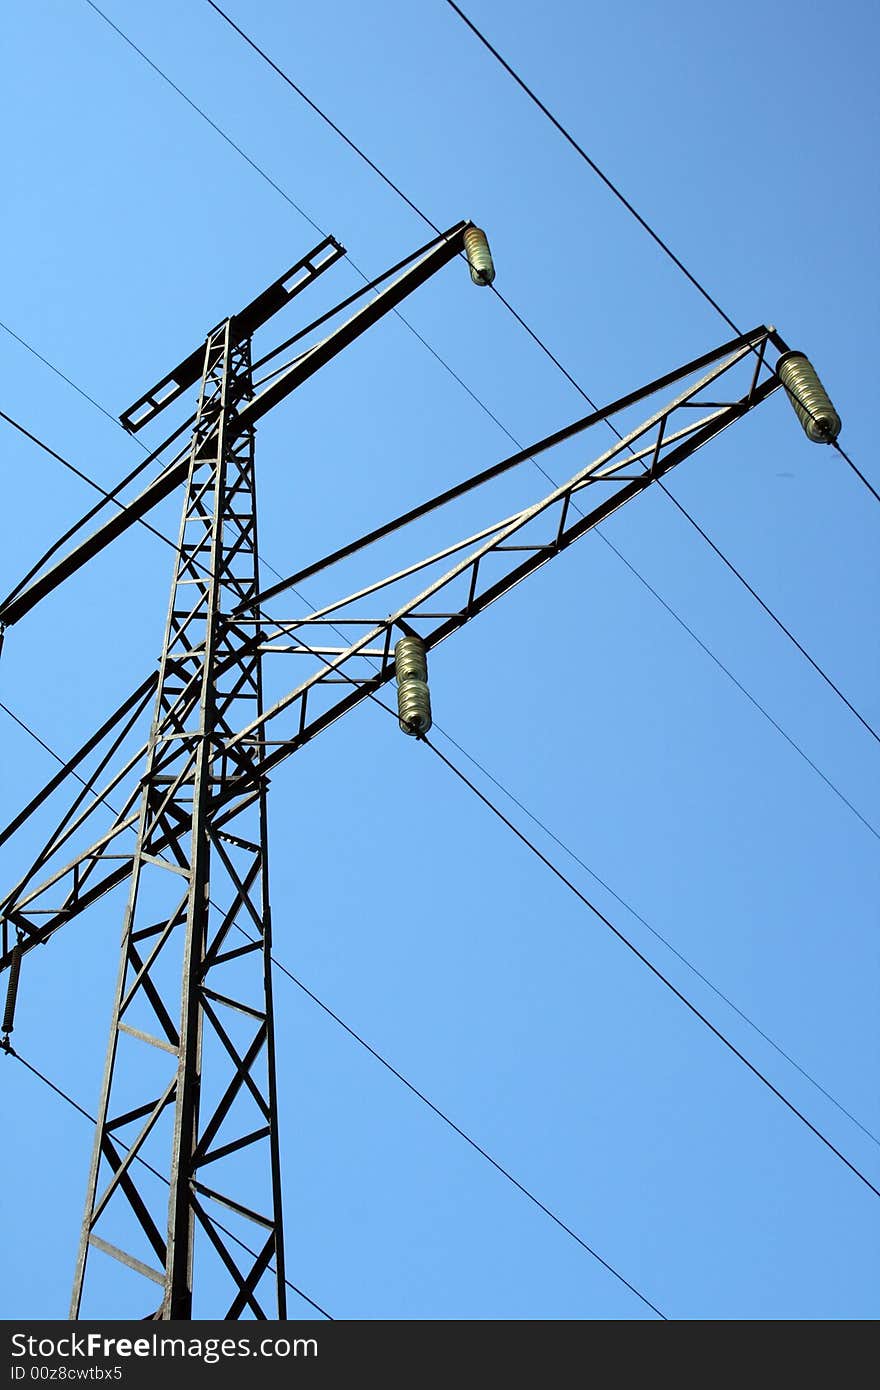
(748,139)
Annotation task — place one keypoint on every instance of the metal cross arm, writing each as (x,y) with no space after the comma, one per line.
(42,581)
(498,558)
(756,342)
(486,565)
(449,245)
(244,325)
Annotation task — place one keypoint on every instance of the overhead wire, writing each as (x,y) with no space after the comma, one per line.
(456,770)
(607,922)
(205,117)
(59,1091)
(726,669)
(632,568)
(664,940)
(447,1119)
(691,519)
(396,189)
(165,538)
(628,906)
(617,932)
(664,246)
(27,728)
(109,496)
(58,372)
(409,202)
(630,946)
(596,170)
(769,611)
(12,715)
(669,609)
(286,196)
(266,57)
(424,216)
(279,965)
(664,979)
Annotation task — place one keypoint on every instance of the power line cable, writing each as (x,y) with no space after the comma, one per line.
(616,930)
(286,196)
(108,496)
(611,546)
(318,112)
(553,836)
(526,325)
(424,217)
(441,1114)
(205,117)
(749,696)
(719,993)
(669,609)
(664,246)
(858,472)
(285,77)
(769,611)
(571,853)
(341,1022)
(653,968)
(10,1051)
(594,166)
(721,666)
(563,369)
(58,372)
(537,339)
(84,477)
(691,519)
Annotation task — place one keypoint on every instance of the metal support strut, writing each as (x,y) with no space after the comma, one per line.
(190,1066)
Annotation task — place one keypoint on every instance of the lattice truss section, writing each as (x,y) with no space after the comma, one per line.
(198,913)
(346,646)
(189,839)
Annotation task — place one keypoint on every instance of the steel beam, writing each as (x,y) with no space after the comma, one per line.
(448,246)
(755,339)
(242,328)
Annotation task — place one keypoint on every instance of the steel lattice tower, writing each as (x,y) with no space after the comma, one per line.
(183,903)
(186,1144)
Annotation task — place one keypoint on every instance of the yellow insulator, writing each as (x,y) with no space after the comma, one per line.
(811,402)
(413,697)
(479,256)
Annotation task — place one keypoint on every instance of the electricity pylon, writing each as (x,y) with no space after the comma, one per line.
(186,1146)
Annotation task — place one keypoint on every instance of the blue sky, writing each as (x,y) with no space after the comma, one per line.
(130,229)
